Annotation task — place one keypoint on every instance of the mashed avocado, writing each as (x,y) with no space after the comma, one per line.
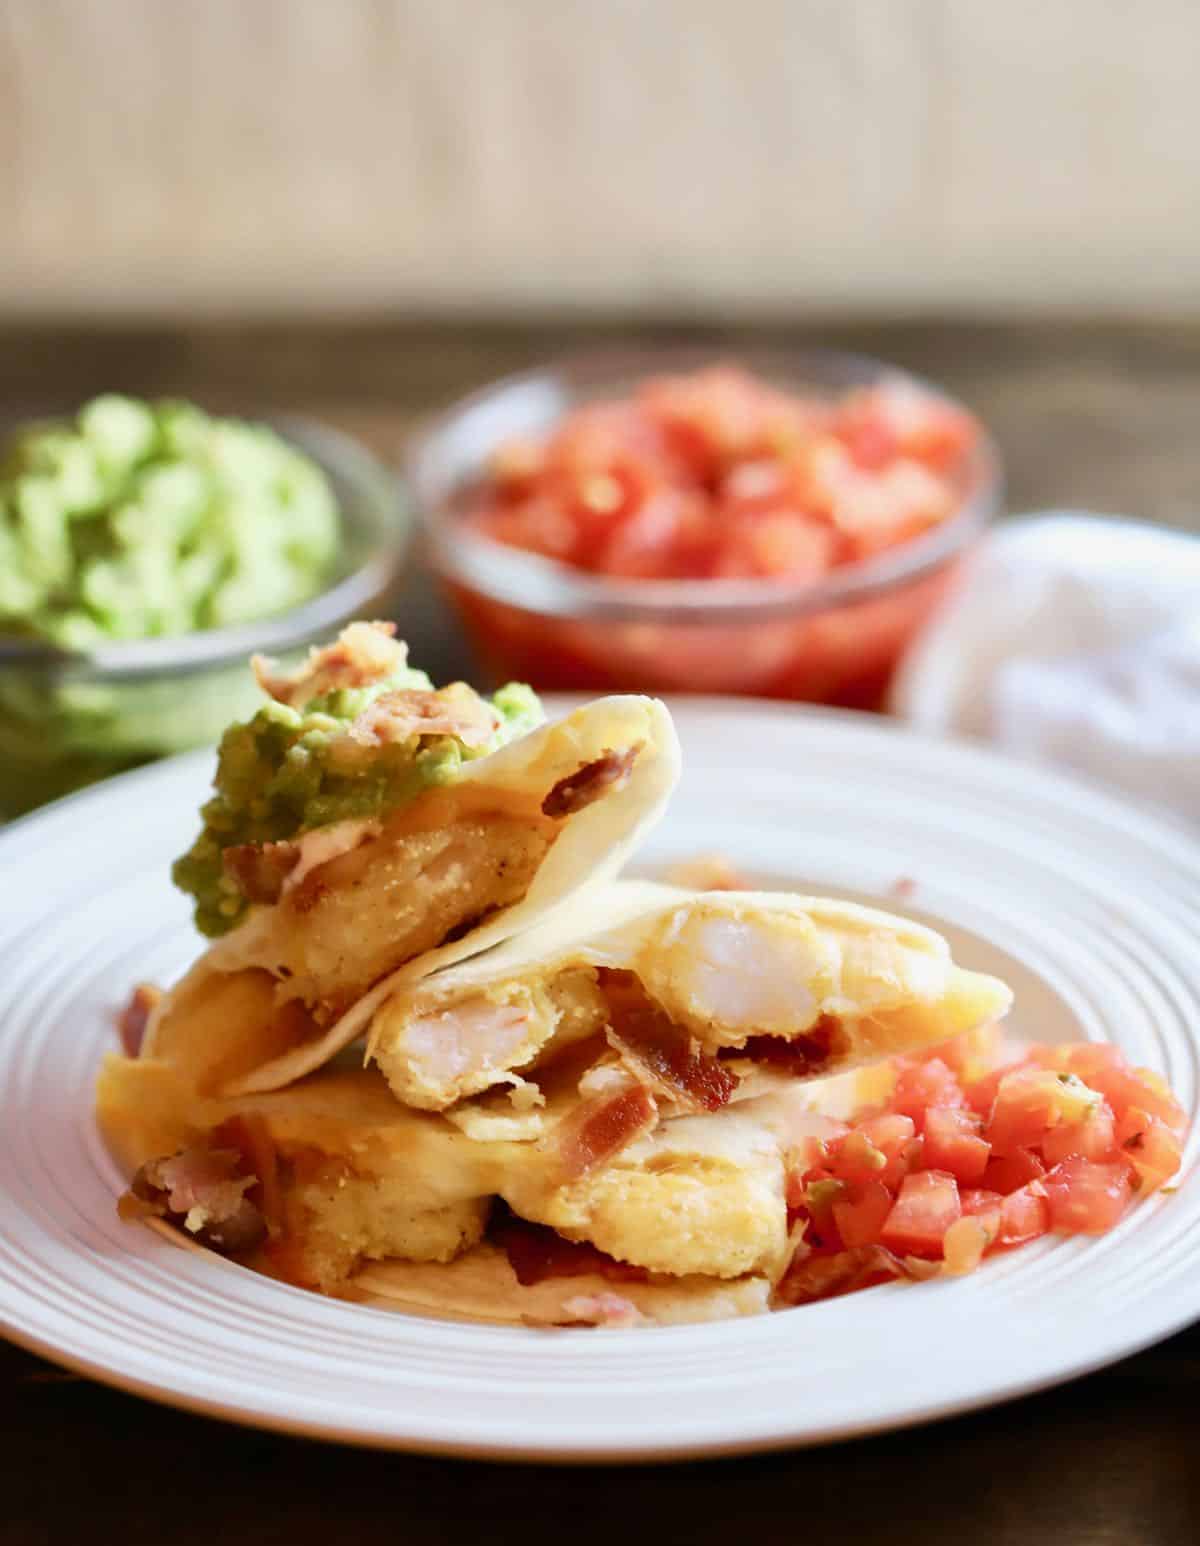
(144,519)
(293,768)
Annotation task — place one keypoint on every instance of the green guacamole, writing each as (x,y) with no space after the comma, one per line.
(289,770)
(138,519)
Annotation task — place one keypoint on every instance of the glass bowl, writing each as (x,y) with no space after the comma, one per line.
(834,640)
(66,720)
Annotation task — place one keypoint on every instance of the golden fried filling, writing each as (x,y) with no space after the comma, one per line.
(701,990)
(349,923)
(355,919)
(339,1174)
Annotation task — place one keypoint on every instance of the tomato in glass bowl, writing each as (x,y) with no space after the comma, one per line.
(656,521)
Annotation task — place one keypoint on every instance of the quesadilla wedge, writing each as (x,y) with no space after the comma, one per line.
(489,1211)
(703,997)
(365,825)
(635,1169)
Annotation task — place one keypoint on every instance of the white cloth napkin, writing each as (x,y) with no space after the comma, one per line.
(1073,640)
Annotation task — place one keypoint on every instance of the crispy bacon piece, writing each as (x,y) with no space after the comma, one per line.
(536,1252)
(810,1277)
(799,1056)
(203,1191)
(259,870)
(601,1127)
(605,1309)
(362,654)
(250,1138)
(590,781)
(398,716)
(135,1017)
(658,1052)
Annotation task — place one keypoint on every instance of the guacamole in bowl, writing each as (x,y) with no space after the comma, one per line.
(145,549)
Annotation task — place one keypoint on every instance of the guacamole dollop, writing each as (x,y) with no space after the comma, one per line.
(140,519)
(294,767)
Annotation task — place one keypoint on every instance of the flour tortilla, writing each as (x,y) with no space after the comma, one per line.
(725,965)
(480,1286)
(590,849)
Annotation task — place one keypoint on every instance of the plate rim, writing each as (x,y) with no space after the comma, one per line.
(1174,1315)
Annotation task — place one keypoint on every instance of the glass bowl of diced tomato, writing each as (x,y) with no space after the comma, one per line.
(780,525)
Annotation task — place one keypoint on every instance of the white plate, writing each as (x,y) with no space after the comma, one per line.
(1090,908)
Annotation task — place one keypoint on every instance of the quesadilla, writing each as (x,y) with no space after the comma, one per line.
(332,1178)
(366,825)
(631,1166)
(704,997)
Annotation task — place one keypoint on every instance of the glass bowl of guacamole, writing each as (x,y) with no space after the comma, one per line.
(146,548)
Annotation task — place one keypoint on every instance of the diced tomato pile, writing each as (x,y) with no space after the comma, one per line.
(968,1158)
(718,474)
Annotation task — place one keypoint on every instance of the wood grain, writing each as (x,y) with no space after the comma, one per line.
(160,157)
(1097,415)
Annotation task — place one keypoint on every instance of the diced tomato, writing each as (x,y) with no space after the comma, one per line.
(1032,1101)
(860,1215)
(775,474)
(856,1158)
(538,524)
(1085,1198)
(870,441)
(813,1150)
(816,1199)
(889,1183)
(898,503)
(1154,1151)
(1013,1171)
(1084,1058)
(711,419)
(1093,1137)
(1024,1215)
(953,1142)
(1023,1111)
(879,1149)
(798,1182)
(908,422)
(754,487)
(1104,1068)
(1152,1093)
(925,1209)
(921,1085)
(977,1199)
(781,542)
(981,1092)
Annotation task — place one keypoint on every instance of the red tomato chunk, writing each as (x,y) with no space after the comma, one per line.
(860,1216)
(953,1142)
(1023,1215)
(970,1156)
(1013,1171)
(1086,1198)
(926,1207)
(921,1085)
(879,1149)
(1149,1145)
(720,475)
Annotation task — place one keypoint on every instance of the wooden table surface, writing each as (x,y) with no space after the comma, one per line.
(1087,415)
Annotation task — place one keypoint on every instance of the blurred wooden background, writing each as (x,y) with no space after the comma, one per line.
(191,157)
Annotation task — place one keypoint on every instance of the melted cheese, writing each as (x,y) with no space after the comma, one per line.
(701,1195)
